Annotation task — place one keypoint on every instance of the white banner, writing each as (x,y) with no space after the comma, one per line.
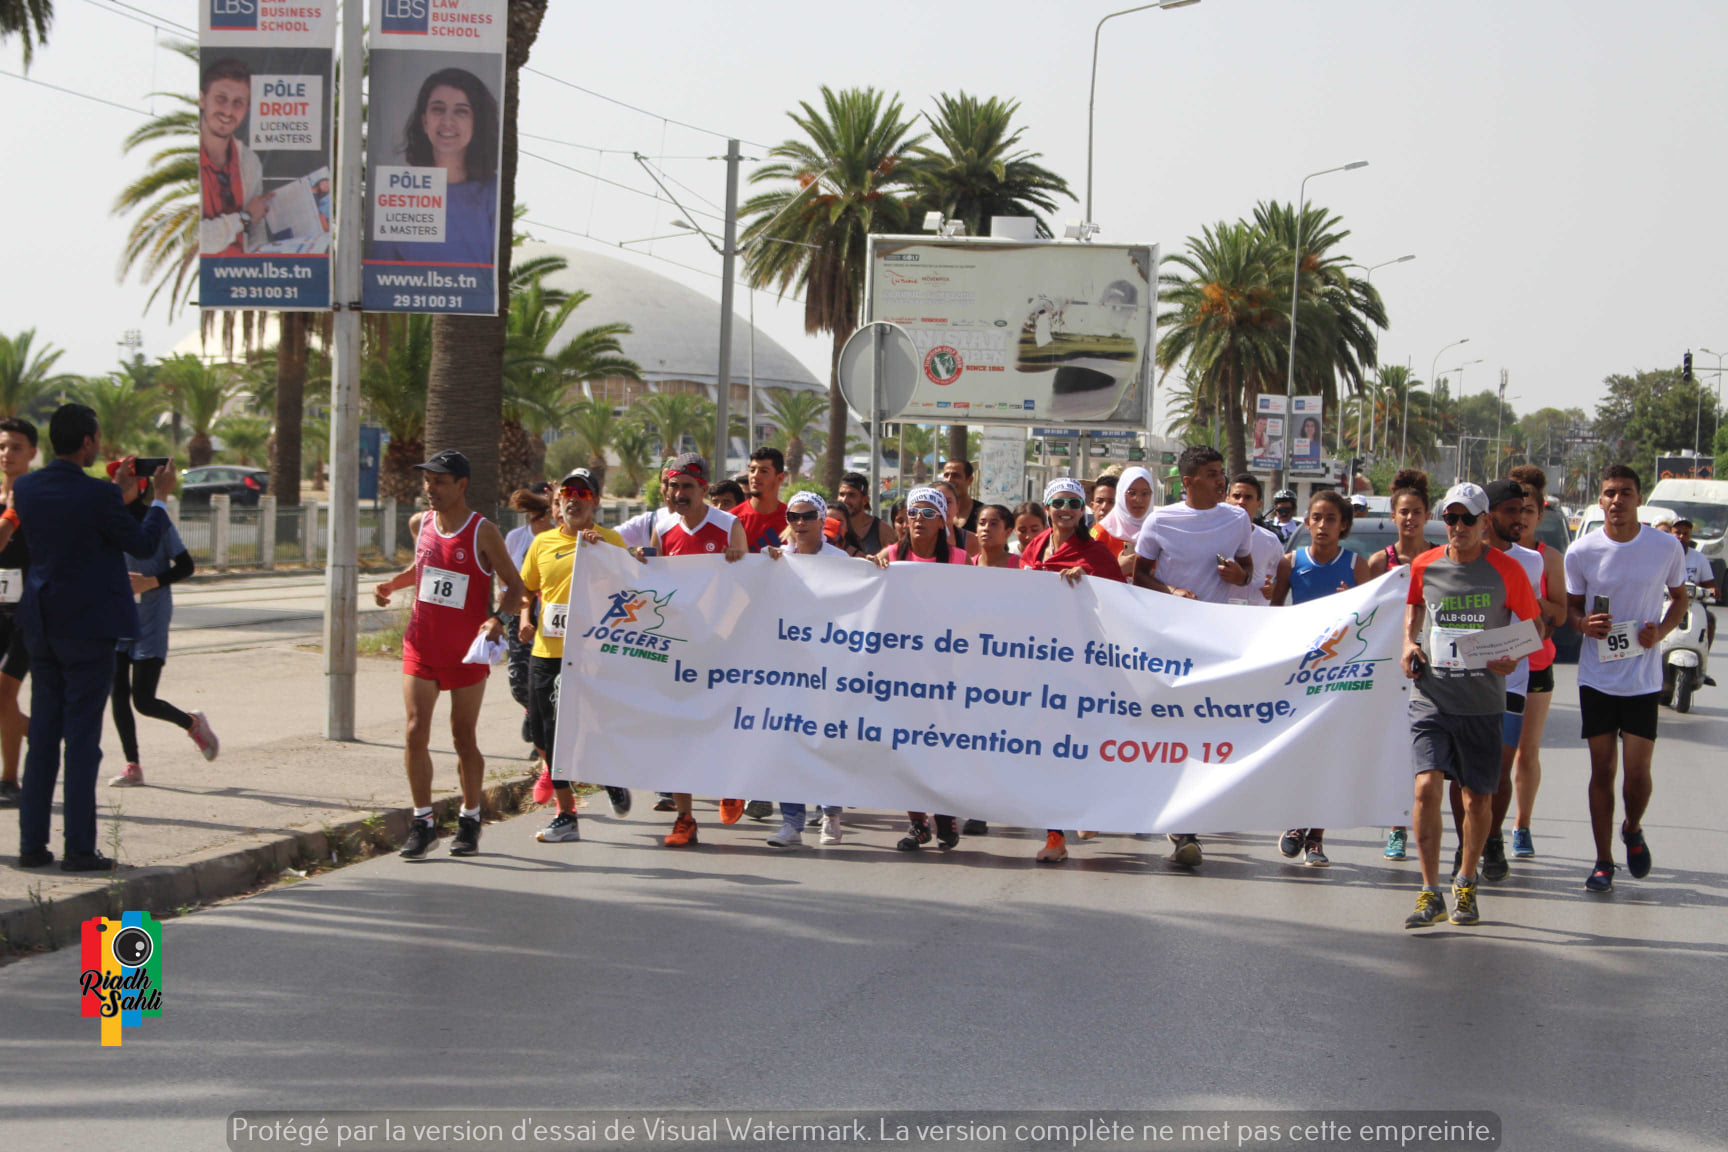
(1004,695)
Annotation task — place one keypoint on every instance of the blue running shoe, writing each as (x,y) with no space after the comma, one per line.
(1523,844)
(1637,853)
(1601,878)
(1395,843)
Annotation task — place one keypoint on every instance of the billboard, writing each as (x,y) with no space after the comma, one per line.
(1306,421)
(1016,332)
(1267,448)
(1685,468)
(265,106)
(434,145)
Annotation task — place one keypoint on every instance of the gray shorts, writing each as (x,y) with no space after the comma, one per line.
(1465,748)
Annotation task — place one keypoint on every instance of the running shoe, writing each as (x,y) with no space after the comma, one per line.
(543,786)
(1055,848)
(665,803)
(1430,909)
(203,735)
(683,832)
(1464,895)
(1523,844)
(917,835)
(1314,854)
(831,833)
(1187,853)
(421,836)
(9,793)
(1494,865)
(1396,842)
(1601,877)
(466,842)
(619,798)
(788,837)
(730,811)
(562,828)
(814,820)
(975,828)
(131,778)
(1290,844)
(947,832)
(1637,853)
(759,809)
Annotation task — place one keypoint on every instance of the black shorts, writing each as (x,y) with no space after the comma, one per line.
(1541,681)
(1465,748)
(1627,715)
(16,661)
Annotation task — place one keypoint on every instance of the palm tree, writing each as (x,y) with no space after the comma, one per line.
(980,171)
(29,20)
(671,416)
(465,391)
(1336,316)
(27,380)
(393,386)
(126,412)
(197,391)
(854,153)
(796,415)
(593,425)
(245,437)
(1228,318)
(634,447)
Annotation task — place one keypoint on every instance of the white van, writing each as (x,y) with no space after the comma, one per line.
(1651,514)
(1705,503)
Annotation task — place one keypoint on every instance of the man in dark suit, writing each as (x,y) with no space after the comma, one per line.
(77,600)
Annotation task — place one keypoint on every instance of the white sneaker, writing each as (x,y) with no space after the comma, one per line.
(831,833)
(787,837)
(203,735)
(562,828)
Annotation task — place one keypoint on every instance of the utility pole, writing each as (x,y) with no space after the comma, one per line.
(342,569)
(728,257)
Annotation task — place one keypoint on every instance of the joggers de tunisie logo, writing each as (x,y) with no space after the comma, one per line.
(631,626)
(121,972)
(1334,661)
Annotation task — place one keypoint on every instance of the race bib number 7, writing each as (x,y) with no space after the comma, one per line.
(11,585)
(441,586)
(1621,643)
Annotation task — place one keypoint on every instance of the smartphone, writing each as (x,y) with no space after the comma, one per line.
(145,467)
(1222,559)
(1599,606)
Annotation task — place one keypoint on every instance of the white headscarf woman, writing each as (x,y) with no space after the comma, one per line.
(1122,522)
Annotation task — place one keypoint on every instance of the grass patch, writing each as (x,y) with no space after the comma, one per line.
(385,642)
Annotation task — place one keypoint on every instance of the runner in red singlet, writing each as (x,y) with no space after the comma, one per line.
(457,554)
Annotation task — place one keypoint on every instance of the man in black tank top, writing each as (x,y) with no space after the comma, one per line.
(865,534)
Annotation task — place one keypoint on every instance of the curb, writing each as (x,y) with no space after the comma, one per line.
(218,873)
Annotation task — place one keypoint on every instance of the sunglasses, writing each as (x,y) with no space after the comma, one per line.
(924,514)
(803,517)
(1061,502)
(1453,519)
(579,491)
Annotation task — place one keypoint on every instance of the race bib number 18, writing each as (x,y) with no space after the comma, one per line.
(441,586)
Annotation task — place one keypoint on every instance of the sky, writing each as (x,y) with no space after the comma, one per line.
(1554,165)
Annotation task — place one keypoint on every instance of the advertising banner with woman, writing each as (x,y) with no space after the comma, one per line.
(1307,419)
(434,143)
(264,130)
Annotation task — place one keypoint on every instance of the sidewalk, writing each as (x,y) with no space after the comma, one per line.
(278,795)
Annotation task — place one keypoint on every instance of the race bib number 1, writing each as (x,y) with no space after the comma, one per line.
(1621,643)
(441,586)
(1443,647)
(554,618)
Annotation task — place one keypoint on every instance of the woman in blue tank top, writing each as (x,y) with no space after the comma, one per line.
(1322,568)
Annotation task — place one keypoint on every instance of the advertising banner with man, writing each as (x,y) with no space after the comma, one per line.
(1267,449)
(434,145)
(1025,701)
(1016,333)
(1306,420)
(265,112)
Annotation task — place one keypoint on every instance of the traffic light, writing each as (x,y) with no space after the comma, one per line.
(1686,367)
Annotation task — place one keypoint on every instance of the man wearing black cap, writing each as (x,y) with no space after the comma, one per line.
(457,554)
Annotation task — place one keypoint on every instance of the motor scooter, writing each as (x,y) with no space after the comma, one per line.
(1686,653)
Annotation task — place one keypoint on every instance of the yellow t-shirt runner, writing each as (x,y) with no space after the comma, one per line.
(546,570)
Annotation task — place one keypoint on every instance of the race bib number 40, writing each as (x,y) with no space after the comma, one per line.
(441,586)
(1621,643)
(554,618)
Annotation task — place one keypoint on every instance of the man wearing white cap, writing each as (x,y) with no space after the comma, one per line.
(1455,710)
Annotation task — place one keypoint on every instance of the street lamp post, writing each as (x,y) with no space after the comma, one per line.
(1719,358)
(1296,281)
(1369,270)
(1404,435)
(1092,93)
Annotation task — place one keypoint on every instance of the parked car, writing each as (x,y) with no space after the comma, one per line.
(243,485)
(1371,534)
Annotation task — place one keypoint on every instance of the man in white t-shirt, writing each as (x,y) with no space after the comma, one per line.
(1615,579)
(1265,546)
(1699,572)
(1199,550)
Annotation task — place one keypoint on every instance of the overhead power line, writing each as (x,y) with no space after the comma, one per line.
(642,111)
(602,179)
(74,92)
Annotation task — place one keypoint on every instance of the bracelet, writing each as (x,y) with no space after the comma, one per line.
(10,516)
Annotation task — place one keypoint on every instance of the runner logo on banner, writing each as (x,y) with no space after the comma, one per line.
(434,148)
(264,132)
(1306,419)
(1268,451)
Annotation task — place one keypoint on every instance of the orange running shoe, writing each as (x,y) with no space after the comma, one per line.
(1055,848)
(683,832)
(730,811)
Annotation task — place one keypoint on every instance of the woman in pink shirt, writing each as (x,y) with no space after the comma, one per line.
(994,524)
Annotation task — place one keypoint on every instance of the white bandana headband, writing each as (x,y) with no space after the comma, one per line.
(812,499)
(1064,484)
(929,496)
